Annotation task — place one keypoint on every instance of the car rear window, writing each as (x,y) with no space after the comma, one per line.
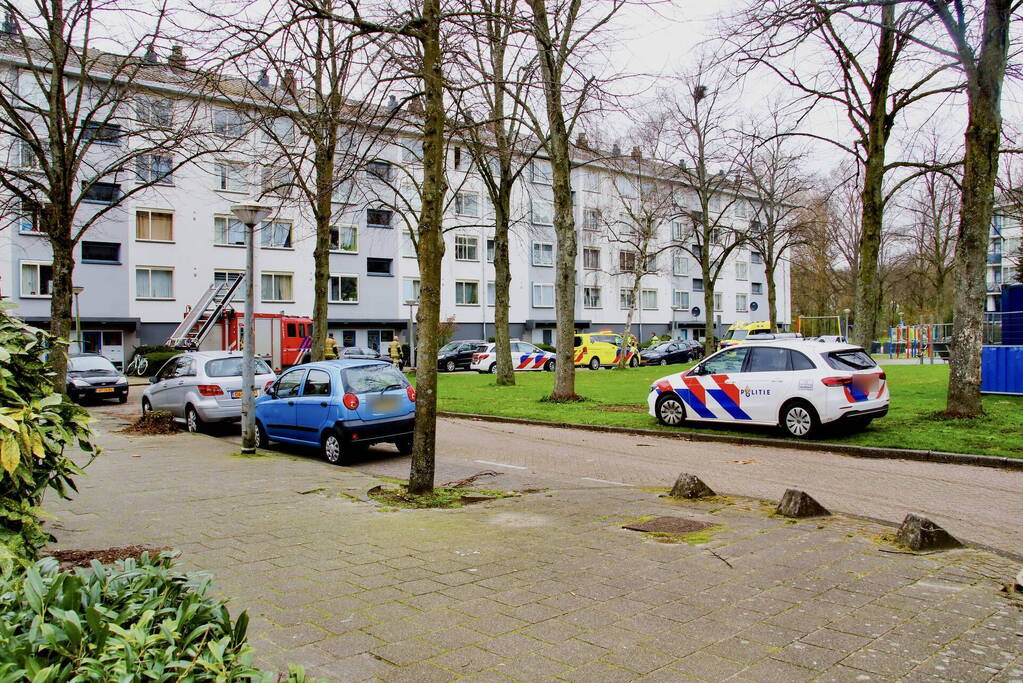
(853,359)
(365,378)
(232,367)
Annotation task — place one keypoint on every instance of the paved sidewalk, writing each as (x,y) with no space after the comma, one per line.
(546,585)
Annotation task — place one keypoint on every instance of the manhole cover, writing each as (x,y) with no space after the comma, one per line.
(669,525)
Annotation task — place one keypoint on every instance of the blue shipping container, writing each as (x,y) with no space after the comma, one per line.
(1012,314)
(1001,370)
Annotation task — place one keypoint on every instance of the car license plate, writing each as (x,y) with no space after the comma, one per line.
(238,393)
(105,390)
(385,404)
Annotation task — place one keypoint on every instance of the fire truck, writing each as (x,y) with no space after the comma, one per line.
(213,325)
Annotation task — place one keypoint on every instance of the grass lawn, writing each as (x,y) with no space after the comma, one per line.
(618,397)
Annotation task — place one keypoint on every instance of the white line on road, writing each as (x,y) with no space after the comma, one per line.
(605,481)
(501,464)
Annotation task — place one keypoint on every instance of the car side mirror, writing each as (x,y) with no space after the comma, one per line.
(154,379)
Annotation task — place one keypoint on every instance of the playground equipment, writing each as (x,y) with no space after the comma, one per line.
(926,340)
(821,325)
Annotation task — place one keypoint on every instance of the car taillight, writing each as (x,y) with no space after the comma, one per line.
(411,391)
(882,376)
(351,401)
(837,381)
(475,358)
(210,390)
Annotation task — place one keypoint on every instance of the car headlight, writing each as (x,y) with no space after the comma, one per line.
(79,383)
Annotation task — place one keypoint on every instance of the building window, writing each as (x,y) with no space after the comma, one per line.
(155,111)
(591,181)
(627,261)
(228,231)
(741,270)
(410,290)
(28,217)
(154,283)
(230,176)
(102,133)
(344,238)
(278,180)
(276,287)
(543,296)
(491,293)
(412,151)
(275,235)
(741,303)
(718,304)
(467,293)
(591,258)
(591,219)
(650,266)
(625,299)
(757,288)
(101,193)
(378,266)
(229,276)
(678,231)
(755,257)
(381,170)
(697,284)
(280,129)
(378,218)
(27,154)
(466,248)
(680,299)
(648,297)
(591,297)
(540,172)
(457,158)
(626,187)
(101,252)
(342,192)
(541,212)
(679,263)
(543,254)
(344,289)
(408,245)
(36,279)
(154,226)
(467,203)
(491,249)
(229,123)
(154,168)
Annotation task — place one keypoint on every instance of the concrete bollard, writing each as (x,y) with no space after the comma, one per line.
(799,504)
(690,486)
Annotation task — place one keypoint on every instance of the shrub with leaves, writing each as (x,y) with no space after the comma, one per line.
(137,621)
(37,425)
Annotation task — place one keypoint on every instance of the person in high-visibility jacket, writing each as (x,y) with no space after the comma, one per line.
(330,349)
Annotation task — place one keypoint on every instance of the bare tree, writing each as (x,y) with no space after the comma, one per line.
(88,129)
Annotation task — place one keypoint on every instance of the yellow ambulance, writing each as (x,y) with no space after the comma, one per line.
(603,349)
(739,332)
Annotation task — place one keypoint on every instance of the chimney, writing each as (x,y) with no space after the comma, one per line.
(151,56)
(177,57)
(392,103)
(616,150)
(264,79)
(288,82)
(581,142)
(637,155)
(10,26)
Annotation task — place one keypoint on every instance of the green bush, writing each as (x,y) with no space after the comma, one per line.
(546,347)
(137,621)
(36,426)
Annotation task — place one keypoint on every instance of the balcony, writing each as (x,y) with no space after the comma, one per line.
(994,258)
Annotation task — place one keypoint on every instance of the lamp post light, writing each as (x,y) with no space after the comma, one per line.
(847,312)
(78,316)
(250,215)
(674,325)
(412,334)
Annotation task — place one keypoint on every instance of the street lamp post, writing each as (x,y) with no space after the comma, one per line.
(78,317)
(250,215)
(411,333)
(674,325)
(847,312)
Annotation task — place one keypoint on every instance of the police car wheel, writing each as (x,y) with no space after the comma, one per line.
(549,366)
(670,411)
(450,366)
(594,363)
(799,420)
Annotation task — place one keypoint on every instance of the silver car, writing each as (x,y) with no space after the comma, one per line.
(200,387)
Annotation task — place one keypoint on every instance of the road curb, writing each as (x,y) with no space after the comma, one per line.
(819,446)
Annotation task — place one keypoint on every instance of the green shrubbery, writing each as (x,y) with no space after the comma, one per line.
(141,620)
(157,355)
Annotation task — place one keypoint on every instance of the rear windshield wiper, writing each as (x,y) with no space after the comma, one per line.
(389,387)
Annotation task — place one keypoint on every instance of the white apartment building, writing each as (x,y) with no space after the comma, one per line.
(1006,238)
(149,260)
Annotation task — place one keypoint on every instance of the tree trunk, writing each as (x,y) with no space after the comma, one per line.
(564,219)
(430,253)
(324,162)
(772,303)
(502,296)
(980,169)
(708,312)
(58,229)
(637,281)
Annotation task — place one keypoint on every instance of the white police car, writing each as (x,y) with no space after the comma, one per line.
(796,384)
(525,356)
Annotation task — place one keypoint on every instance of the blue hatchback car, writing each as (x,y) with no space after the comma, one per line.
(339,406)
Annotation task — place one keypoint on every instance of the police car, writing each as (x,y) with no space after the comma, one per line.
(796,384)
(525,356)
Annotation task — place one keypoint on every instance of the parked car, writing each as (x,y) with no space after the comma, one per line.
(200,387)
(602,349)
(695,348)
(91,376)
(363,353)
(457,355)
(829,339)
(525,356)
(338,406)
(667,353)
(796,384)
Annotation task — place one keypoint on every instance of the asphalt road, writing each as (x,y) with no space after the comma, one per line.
(980,504)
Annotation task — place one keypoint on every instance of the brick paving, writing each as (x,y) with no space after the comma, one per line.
(544,585)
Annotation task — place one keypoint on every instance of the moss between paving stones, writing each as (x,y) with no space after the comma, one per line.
(440,498)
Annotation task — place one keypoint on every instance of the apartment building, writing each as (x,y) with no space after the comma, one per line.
(152,257)
(1004,245)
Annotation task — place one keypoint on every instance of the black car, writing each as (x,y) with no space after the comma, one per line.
(695,348)
(667,352)
(90,376)
(457,355)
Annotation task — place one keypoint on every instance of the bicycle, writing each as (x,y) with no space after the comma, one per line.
(138,366)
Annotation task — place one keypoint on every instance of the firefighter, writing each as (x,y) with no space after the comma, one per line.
(330,350)
(394,351)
